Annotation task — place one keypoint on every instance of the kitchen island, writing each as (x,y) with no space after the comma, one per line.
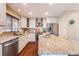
(55,45)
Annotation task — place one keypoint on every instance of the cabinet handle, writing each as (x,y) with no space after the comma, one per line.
(10,43)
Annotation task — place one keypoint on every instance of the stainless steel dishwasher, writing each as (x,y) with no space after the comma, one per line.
(10,48)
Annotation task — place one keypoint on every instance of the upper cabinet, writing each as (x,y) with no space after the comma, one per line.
(2,13)
(27,22)
(23,22)
(32,23)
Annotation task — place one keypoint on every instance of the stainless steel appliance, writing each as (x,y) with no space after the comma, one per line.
(10,48)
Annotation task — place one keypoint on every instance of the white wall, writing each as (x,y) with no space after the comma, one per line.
(65,29)
(51,19)
(2,15)
(63,26)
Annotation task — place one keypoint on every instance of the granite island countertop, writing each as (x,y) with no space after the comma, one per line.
(56,45)
(7,38)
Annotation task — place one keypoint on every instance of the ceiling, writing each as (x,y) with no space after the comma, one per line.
(39,9)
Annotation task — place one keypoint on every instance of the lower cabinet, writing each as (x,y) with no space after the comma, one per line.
(23,41)
(32,37)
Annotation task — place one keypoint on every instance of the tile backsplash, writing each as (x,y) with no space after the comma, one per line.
(1,30)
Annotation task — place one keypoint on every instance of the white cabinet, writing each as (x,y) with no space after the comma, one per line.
(32,37)
(23,22)
(31,23)
(23,40)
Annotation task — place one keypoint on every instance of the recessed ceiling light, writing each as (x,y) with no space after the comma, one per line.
(24,3)
(46,13)
(30,13)
(19,10)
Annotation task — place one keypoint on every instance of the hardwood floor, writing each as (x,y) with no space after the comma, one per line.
(30,50)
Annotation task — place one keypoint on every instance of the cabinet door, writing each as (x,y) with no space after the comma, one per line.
(23,22)
(31,23)
(32,37)
(22,42)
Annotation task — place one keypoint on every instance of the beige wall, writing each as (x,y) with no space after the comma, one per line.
(65,29)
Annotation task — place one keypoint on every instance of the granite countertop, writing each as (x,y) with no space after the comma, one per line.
(57,44)
(7,38)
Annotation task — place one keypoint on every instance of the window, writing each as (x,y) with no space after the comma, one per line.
(8,23)
(15,26)
(12,23)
